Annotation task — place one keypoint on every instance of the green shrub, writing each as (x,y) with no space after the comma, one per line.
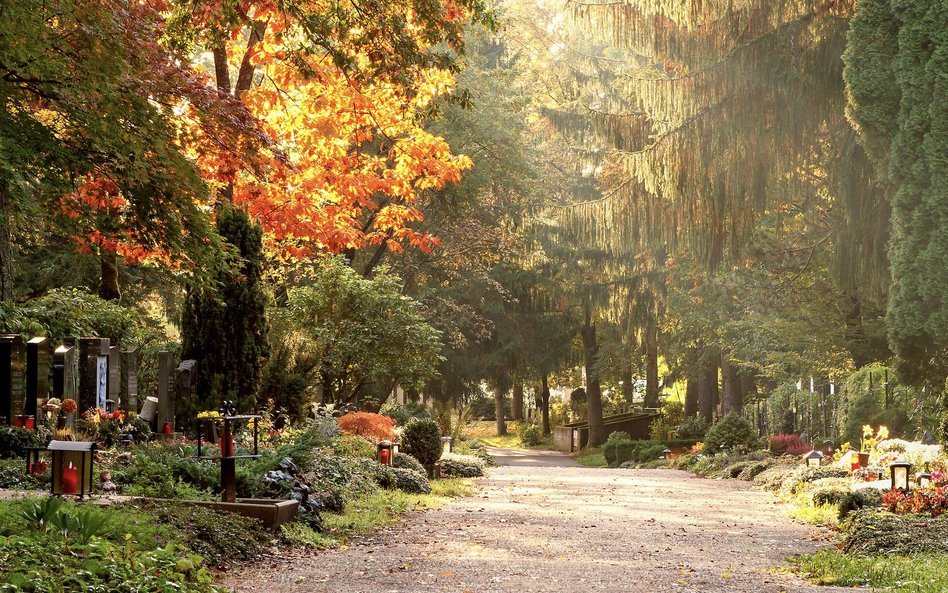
(406,461)
(864,498)
(753,469)
(618,451)
(14,440)
(736,469)
(619,435)
(802,474)
(13,475)
(691,428)
(461,466)
(411,481)
(421,438)
(874,532)
(220,537)
(732,431)
(530,434)
(829,491)
(403,413)
(772,477)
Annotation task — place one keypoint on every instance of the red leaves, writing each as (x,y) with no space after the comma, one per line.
(370,425)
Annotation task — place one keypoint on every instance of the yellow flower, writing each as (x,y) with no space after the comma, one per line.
(866,431)
(882,434)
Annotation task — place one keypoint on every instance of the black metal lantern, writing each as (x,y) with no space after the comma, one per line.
(813,459)
(829,447)
(395,445)
(384,449)
(924,480)
(667,454)
(900,471)
(725,448)
(446,445)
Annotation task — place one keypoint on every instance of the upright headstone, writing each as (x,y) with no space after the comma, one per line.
(65,377)
(12,367)
(115,375)
(185,386)
(128,391)
(165,389)
(37,375)
(93,372)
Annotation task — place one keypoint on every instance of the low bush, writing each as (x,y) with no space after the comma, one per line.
(366,424)
(530,434)
(753,469)
(221,538)
(829,491)
(461,466)
(802,474)
(772,477)
(403,413)
(14,441)
(732,431)
(421,438)
(692,429)
(787,444)
(618,451)
(929,501)
(854,500)
(411,481)
(13,475)
(880,533)
(406,461)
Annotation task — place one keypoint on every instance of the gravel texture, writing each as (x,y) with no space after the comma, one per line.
(552,526)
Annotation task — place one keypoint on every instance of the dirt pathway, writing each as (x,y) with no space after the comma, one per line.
(546,528)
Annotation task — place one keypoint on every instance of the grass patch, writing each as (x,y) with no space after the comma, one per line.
(826,515)
(486,432)
(369,512)
(591,458)
(887,574)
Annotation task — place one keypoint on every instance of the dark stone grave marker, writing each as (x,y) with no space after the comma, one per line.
(128,391)
(165,389)
(37,374)
(93,373)
(185,385)
(12,367)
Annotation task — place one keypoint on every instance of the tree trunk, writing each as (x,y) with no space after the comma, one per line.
(708,391)
(109,277)
(733,399)
(691,395)
(593,391)
(545,404)
(516,404)
(499,411)
(628,386)
(651,365)
(6,243)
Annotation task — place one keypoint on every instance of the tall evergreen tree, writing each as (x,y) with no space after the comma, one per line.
(224,326)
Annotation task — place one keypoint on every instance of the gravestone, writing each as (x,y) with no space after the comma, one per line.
(113,389)
(93,372)
(128,392)
(37,374)
(185,386)
(165,389)
(65,375)
(12,368)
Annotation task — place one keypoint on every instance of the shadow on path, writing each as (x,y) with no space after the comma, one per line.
(531,458)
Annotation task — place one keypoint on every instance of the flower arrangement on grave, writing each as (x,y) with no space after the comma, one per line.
(102,426)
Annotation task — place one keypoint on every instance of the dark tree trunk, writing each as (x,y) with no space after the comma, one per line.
(109,277)
(691,395)
(708,391)
(516,404)
(651,365)
(6,243)
(499,411)
(545,404)
(628,386)
(733,399)
(593,391)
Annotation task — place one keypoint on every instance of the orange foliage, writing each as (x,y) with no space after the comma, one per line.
(366,424)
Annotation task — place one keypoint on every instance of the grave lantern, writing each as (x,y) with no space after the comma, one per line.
(395,445)
(899,471)
(384,449)
(725,448)
(72,467)
(667,454)
(854,461)
(446,445)
(829,447)
(924,480)
(814,458)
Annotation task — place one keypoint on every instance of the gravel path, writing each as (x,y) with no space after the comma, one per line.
(553,526)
